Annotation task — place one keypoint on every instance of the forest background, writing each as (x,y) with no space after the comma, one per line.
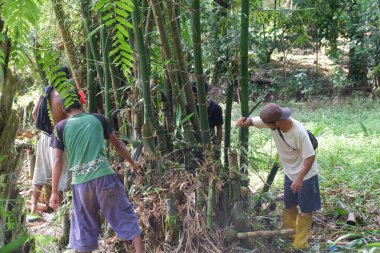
(314,56)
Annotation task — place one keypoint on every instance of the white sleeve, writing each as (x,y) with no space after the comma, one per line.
(257,122)
(306,146)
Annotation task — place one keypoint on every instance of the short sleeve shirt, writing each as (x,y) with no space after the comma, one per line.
(297,148)
(82,138)
(215,115)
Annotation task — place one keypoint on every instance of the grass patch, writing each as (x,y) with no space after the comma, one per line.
(348,132)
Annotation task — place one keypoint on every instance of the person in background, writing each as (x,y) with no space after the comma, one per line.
(215,119)
(296,152)
(95,186)
(48,101)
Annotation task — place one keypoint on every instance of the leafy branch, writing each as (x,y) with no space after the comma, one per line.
(115,15)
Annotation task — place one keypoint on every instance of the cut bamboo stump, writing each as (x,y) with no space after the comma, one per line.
(232,235)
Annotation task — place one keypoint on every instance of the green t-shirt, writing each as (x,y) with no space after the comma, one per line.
(82,136)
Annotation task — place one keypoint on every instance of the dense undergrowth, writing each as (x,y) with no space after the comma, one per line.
(349,159)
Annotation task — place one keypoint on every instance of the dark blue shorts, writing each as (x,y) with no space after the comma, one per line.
(308,199)
(105,194)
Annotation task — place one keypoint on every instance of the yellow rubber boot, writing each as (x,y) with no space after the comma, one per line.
(302,231)
(289,218)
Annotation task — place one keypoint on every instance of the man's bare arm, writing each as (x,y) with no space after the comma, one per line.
(307,164)
(122,150)
(35,109)
(57,169)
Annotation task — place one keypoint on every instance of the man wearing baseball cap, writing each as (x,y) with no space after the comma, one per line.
(297,155)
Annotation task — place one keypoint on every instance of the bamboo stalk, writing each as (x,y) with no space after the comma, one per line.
(227,124)
(147,130)
(185,83)
(91,94)
(244,84)
(68,43)
(104,37)
(173,84)
(198,71)
(255,234)
(85,9)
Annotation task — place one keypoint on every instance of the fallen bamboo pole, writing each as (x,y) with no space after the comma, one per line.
(265,233)
(232,235)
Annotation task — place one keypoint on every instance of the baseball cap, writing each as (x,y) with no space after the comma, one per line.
(272,112)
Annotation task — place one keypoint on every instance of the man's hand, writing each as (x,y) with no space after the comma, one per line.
(244,122)
(296,186)
(54,200)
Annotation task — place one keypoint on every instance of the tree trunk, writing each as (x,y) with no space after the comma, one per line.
(74,63)
(11,204)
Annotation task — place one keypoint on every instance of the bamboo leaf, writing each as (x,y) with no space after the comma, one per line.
(121,29)
(121,13)
(126,47)
(14,245)
(126,55)
(123,5)
(109,22)
(107,17)
(100,4)
(126,62)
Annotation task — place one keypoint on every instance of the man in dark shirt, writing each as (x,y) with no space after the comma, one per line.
(215,119)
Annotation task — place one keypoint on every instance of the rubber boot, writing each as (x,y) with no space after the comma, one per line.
(302,231)
(289,219)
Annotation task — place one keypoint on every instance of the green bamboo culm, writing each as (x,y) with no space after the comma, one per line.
(91,94)
(244,84)
(170,66)
(198,70)
(86,14)
(182,71)
(227,124)
(68,43)
(106,70)
(148,129)
(202,101)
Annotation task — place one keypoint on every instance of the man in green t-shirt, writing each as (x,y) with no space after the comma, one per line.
(95,185)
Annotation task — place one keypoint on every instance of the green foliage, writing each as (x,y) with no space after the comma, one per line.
(49,60)
(20,17)
(115,15)
(2,56)
(14,245)
(9,217)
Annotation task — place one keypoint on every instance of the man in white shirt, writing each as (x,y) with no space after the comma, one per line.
(296,152)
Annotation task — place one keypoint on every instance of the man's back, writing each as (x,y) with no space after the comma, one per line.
(82,137)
